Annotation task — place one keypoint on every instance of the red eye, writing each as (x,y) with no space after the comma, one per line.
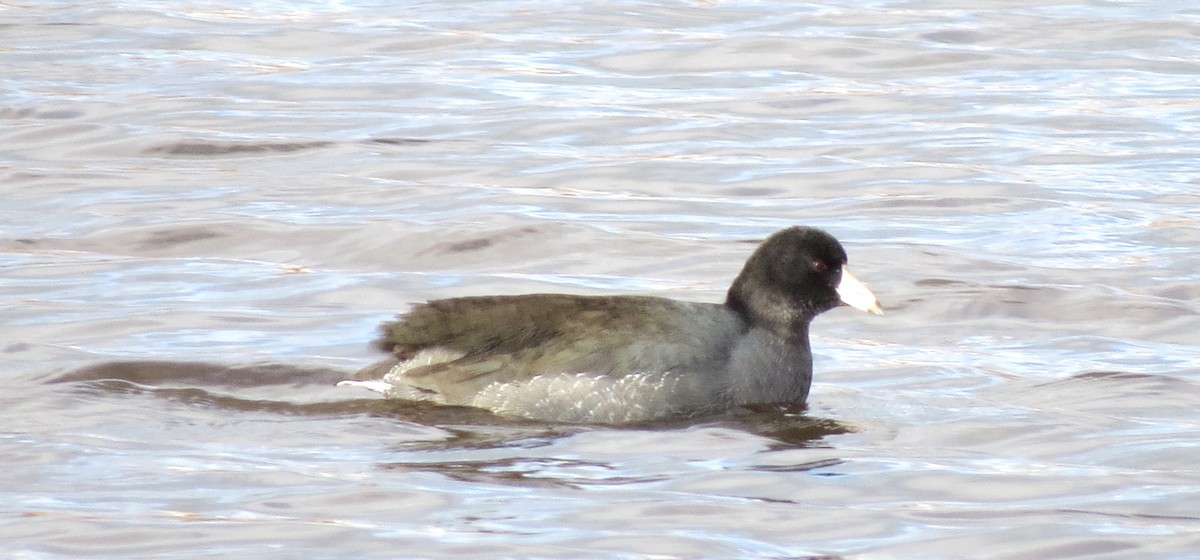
(820,266)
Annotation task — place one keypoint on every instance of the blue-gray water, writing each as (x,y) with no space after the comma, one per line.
(227,183)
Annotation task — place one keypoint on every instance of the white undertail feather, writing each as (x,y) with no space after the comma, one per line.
(391,384)
(381,387)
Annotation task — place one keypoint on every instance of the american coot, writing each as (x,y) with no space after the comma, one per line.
(622,359)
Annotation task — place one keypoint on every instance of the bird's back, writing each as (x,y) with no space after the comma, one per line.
(452,350)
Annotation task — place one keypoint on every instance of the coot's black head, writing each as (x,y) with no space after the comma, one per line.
(792,277)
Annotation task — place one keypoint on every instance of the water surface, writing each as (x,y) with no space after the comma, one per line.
(207,209)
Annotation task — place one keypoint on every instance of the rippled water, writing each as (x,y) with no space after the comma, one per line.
(207,208)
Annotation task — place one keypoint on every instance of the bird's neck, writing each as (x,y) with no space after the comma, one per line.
(780,320)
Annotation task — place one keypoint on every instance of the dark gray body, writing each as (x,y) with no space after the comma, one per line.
(617,359)
(589,359)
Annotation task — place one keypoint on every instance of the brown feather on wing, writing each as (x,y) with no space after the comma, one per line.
(473,325)
(506,324)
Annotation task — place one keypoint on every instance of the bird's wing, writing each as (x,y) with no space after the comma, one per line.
(515,338)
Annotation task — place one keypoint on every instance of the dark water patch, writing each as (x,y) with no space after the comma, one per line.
(1091,308)
(195,397)
(1121,389)
(956,36)
(1155,517)
(578,457)
(786,426)
(938,282)
(400,141)
(480,243)
(215,148)
(479,430)
(42,114)
(800,467)
(527,471)
(1105,376)
(207,374)
(161,239)
(234,148)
